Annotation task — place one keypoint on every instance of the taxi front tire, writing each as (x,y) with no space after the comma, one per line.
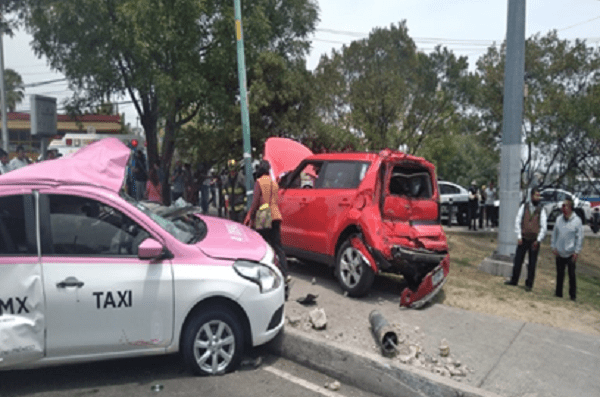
(212,342)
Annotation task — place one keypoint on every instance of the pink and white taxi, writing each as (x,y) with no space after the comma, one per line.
(87,273)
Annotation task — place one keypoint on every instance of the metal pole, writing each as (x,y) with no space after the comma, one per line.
(244,103)
(2,91)
(510,163)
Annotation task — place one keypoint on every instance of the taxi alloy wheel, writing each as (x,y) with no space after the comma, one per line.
(212,342)
(353,273)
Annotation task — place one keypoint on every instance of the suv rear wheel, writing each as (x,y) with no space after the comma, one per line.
(353,273)
(212,342)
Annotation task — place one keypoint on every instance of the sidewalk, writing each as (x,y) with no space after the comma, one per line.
(508,357)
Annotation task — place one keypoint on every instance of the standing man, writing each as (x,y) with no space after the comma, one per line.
(473,204)
(4,167)
(482,198)
(234,191)
(530,227)
(140,174)
(20,161)
(567,240)
(178,182)
(490,197)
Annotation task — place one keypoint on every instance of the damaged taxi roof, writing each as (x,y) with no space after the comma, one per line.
(100,163)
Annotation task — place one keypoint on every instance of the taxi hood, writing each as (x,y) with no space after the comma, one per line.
(231,240)
(100,163)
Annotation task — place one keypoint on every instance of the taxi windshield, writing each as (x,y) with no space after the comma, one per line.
(181,223)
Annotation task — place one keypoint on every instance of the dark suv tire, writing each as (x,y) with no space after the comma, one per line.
(353,273)
(212,341)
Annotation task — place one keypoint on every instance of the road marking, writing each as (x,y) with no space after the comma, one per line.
(301,382)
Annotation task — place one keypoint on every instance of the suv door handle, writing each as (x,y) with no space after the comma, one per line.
(70,282)
(344,203)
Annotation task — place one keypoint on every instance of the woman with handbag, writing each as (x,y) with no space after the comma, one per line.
(264,215)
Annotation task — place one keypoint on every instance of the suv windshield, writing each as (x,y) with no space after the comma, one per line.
(181,223)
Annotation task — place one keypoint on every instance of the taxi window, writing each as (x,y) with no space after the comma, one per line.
(83,226)
(13,227)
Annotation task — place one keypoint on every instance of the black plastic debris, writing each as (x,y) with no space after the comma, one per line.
(308,300)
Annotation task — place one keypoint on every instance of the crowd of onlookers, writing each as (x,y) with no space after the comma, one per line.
(145,182)
(20,159)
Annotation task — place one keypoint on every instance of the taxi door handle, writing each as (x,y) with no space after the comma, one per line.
(70,282)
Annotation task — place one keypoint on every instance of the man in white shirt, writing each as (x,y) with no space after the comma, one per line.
(530,227)
(567,240)
(490,197)
(20,161)
(4,167)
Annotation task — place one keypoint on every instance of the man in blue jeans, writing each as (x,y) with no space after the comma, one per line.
(567,240)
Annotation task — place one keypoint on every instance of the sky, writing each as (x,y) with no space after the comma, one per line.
(467,27)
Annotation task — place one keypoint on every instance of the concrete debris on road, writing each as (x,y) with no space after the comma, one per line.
(333,386)
(444,348)
(308,300)
(294,321)
(318,318)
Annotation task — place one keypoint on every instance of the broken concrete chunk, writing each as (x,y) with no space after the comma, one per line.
(318,318)
(444,348)
(294,321)
(334,386)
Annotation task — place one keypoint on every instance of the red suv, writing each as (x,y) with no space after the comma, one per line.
(365,213)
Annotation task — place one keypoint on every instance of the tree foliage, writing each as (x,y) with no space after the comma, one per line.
(15,92)
(175,59)
(560,120)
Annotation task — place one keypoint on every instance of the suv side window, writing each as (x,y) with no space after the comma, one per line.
(308,177)
(16,238)
(83,226)
(343,174)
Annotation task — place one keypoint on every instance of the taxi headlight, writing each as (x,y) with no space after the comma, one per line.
(266,278)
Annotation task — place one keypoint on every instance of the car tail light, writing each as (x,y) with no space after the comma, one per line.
(69,141)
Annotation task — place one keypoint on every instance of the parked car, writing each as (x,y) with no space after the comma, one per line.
(456,198)
(552,199)
(367,213)
(88,273)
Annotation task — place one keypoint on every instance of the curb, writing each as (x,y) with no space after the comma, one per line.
(366,371)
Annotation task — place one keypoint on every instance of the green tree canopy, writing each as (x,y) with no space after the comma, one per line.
(15,92)
(172,58)
(560,129)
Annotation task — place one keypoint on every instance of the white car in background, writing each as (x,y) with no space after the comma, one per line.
(456,197)
(552,200)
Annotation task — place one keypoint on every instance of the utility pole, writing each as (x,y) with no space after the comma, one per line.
(2,90)
(244,103)
(510,163)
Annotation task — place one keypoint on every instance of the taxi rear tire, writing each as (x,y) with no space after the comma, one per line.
(212,342)
(353,273)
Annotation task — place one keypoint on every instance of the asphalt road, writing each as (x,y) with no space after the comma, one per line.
(165,376)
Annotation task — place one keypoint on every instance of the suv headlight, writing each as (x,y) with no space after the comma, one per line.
(266,278)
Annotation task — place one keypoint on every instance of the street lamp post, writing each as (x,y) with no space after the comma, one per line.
(2,90)
(244,103)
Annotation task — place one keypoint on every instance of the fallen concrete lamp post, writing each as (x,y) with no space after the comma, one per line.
(385,336)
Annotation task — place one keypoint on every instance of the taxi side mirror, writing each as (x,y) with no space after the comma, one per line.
(150,249)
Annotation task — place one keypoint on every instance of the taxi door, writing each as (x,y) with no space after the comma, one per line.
(21,289)
(101,298)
